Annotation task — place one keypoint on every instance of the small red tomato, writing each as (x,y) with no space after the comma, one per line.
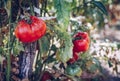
(30,32)
(81,42)
(74,58)
(46,76)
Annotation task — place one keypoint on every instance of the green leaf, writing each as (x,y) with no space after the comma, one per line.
(50,60)
(44,44)
(93,68)
(17,48)
(69,1)
(20,47)
(53,47)
(93,65)
(118,45)
(1,59)
(65,53)
(1,50)
(63,8)
(100,6)
(97,62)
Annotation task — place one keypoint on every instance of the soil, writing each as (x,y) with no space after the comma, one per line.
(106,39)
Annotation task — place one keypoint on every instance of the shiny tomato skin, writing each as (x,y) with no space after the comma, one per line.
(30,32)
(81,44)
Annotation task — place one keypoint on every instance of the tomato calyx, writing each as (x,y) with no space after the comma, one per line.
(28,20)
(77,38)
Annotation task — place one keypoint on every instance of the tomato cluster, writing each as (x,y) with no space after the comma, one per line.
(30,30)
(81,43)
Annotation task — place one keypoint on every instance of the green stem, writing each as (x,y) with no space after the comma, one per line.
(9,50)
(42,8)
(31,8)
(40,50)
(45,7)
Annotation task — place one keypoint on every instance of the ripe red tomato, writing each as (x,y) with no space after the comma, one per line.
(81,42)
(46,76)
(30,32)
(74,58)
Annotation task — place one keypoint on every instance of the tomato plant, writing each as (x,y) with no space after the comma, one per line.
(81,42)
(31,30)
(59,50)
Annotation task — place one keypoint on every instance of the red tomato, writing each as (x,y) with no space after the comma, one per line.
(81,42)
(46,76)
(74,58)
(30,32)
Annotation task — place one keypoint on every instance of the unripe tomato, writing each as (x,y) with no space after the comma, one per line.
(81,42)
(46,76)
(73,70)
(30,31)
(74,58)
